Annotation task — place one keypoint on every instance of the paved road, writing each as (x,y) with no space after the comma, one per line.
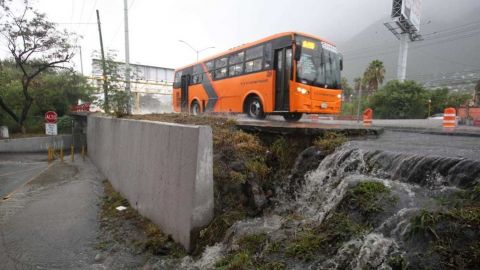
(16,170)
(51,222)
(415,125)
(424,144)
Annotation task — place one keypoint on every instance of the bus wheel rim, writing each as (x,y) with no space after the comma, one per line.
(255,108)
(195,109)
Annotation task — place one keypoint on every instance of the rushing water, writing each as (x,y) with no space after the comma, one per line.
(414,180)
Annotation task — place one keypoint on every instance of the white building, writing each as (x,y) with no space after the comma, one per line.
(151,86)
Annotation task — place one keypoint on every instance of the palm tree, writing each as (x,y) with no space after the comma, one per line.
(374,75)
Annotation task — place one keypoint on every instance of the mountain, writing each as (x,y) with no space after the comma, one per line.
(448,56)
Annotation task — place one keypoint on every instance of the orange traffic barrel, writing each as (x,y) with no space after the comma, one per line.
(449,119)
(367,117)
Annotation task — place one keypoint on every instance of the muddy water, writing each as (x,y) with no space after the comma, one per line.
(414,180)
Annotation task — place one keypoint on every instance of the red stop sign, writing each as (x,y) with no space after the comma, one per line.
(51,117)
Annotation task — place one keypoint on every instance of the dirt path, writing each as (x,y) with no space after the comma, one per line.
(52,221)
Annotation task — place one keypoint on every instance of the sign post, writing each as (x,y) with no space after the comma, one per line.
(51,123)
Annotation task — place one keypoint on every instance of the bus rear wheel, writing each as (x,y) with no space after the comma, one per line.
(195,108)
(255,108)
(292,117)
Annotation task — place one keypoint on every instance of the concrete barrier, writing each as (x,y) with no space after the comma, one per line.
(164,170)
(35,144)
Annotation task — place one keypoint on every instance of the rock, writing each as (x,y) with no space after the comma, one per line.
(98,257)
(238,166)
(147,266)
(308,160)
(259,198)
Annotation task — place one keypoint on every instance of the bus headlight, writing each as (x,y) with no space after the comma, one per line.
(339,96)
(302,91)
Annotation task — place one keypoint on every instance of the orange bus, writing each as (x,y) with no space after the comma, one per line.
(286,74)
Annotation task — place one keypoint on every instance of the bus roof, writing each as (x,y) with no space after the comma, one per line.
(251,44)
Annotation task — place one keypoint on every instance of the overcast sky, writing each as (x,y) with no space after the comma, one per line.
(156,26)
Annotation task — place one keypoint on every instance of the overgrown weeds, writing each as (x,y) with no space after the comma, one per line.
(453,233)
(153,240)
(330,141)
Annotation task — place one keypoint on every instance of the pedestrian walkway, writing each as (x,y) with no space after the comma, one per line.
(51,221)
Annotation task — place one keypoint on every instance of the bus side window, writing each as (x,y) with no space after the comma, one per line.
(209,65)
(254,59)
(177,81)
(268,56)
(235,62)
(221,68)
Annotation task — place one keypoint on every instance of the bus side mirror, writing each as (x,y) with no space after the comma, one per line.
(341,63)
(298,52)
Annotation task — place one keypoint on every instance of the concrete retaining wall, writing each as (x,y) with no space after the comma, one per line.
(35,144)
(163,170)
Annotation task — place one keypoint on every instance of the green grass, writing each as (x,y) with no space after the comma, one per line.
(453,232)
(330,141)
(155,241)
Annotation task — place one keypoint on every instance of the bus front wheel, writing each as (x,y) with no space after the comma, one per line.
(195,108)
(292,117)
(255,108)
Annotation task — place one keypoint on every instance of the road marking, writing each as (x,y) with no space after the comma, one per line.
(6,197)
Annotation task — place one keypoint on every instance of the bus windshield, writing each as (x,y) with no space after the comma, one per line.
(319,64)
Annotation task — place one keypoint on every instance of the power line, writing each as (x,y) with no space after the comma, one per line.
(446,39)
(366,49)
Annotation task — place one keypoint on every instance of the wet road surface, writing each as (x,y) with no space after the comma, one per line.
(423,144)
(431,126)
(16,170)
(51,222)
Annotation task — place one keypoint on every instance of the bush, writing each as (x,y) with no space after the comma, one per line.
(397,100)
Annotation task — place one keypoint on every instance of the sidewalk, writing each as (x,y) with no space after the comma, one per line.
(51,222)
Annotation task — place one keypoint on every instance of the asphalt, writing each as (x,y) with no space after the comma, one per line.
(308,125)
(16,170)
(423,144)
(51,221)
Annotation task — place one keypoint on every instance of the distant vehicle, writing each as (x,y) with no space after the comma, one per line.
(439,116)
(436,116)
(287,74)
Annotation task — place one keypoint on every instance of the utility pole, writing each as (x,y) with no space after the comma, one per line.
(402,58)
(359,102)
(81,59)
(104,71)
(405,25)
(127,59)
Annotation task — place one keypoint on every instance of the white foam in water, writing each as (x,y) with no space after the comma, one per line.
(368,252)
(210,256)
(322,191)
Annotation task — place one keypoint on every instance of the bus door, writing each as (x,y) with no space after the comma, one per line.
(283,68)
(184,93)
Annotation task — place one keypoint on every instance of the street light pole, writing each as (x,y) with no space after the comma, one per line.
(195,50)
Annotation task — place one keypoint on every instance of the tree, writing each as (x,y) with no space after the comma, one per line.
(357,83)
(52,90)
(443,98)
(117,98)
(347,89)
(374,76)
(36,46)
(396,100)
